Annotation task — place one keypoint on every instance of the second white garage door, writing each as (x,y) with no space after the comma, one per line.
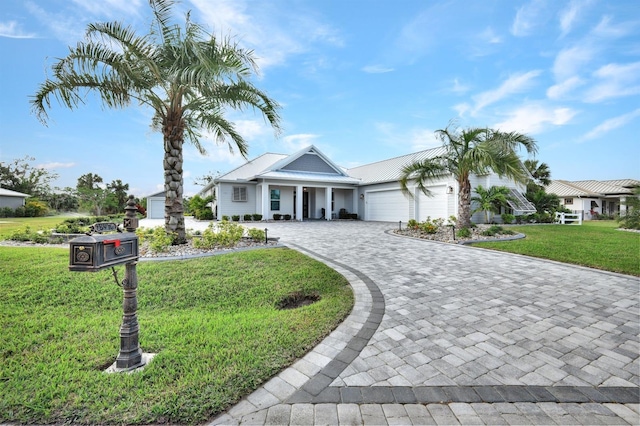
(435,206)
(387,206)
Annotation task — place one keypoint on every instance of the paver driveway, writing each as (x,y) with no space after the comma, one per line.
(442,334)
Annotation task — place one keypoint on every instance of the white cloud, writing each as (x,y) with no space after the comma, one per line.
(462,108)
(459,88)
(489,36)
(569,15)
(56,165)
(611,124)
(112,8)
(615,81)
(10,29)
(65,26)
(526,18)
(560,90)
(417,139)
(606,28)
(571,60)
(273,33)
(376,69)
(296,142)
(514,84)
(534,118)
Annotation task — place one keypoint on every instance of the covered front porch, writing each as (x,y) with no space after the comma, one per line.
(304,201)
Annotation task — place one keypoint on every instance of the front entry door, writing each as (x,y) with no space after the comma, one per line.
(305,205)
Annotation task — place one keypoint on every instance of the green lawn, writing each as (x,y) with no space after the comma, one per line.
(9,225)
(596,244)
(212,322)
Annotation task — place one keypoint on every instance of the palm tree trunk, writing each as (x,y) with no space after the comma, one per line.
(464,203)
(173,182)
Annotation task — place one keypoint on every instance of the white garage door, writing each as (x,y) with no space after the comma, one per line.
(435,206)
(387,206)
(155,209)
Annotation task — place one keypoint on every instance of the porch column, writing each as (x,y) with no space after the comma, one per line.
(299,199)
(354,208)
(327,191)
(623,206)
(266,201)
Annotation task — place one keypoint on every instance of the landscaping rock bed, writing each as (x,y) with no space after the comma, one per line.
(444,234)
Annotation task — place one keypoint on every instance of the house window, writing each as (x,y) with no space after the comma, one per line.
(239,193)
(568,201)
(275,199)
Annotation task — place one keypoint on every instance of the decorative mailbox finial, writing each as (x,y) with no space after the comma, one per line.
(130,221)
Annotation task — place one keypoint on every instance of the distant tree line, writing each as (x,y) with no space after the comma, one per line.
(91,194)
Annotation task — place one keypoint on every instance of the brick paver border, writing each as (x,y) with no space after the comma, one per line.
(318,390)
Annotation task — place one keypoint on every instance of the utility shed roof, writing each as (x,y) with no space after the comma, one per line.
(10,193)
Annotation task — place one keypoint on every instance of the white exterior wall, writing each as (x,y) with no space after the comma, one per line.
(487,181)
(228,207)
(286,201)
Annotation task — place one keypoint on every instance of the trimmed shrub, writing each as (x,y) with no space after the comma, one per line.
(256,234)
(227,234)
(287,217)
(235,217)
(247,217)
(26,234)
(507,218)
(463,233)
(256,217)
(277,216)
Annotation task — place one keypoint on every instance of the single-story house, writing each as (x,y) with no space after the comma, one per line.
(591,197)
(308,185)
(12,199)
(155,205)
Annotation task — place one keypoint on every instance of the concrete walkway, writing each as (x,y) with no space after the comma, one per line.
(447,334)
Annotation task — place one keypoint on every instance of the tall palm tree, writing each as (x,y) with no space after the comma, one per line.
(540,175)
(490,200)
(187,76)
(470,151)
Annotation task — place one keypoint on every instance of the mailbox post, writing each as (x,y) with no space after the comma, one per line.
(130,355)
(92,253)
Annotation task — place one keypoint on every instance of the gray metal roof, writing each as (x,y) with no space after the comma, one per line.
(591,188)
(391,170)
(251,168)
(9,193)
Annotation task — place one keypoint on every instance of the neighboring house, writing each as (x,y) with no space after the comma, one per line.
(12,199)
(308,185)
(591,197)
(155,206)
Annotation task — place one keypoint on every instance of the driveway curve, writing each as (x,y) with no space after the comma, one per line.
(448,334)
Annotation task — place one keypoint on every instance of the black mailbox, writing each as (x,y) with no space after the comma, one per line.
(95,252)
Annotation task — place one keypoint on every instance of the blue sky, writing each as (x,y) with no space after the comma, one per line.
(362,80)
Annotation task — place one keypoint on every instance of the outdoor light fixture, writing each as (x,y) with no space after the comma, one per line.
(265,236)
(399,225)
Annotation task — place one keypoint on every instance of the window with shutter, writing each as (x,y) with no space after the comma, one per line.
(239,193)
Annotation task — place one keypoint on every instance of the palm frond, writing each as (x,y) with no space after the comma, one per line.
(423,172)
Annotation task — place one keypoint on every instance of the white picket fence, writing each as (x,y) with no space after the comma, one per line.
(566,218)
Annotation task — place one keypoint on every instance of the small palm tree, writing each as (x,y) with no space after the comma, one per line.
(470,151)
(186,76)
(490,200)
(540,176)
